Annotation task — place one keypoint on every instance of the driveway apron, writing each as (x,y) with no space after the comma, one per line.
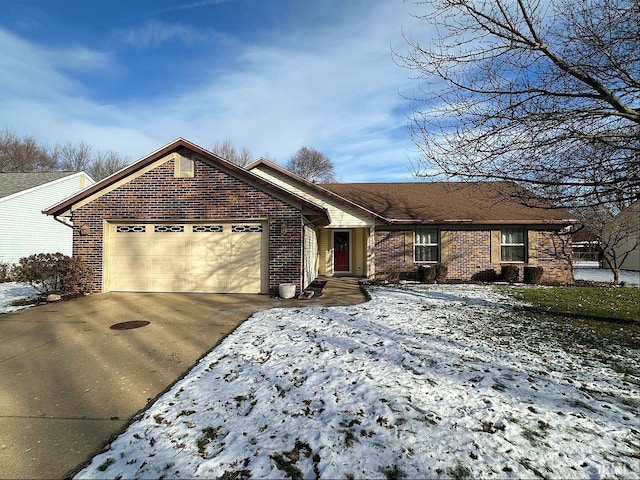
(69,382)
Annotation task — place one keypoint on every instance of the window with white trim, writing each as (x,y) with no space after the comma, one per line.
(425,245)
(512,246)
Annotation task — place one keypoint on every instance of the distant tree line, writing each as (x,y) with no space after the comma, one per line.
(26,154)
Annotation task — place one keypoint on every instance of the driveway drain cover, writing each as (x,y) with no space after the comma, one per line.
(129,325)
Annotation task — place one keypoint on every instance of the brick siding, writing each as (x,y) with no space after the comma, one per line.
(210,195)
(469,256)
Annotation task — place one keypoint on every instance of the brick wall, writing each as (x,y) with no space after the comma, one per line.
(391,260)
(211,194)
(468,255)
(554,256)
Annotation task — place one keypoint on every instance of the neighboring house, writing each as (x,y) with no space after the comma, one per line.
(24,230)
(631,246)
(183,219)
(586,249)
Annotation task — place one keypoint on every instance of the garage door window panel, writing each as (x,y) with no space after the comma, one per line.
(168,229)
(208,229)
(131,229)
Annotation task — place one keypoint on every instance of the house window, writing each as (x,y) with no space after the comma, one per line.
(184,166)
(426,245)
(512,247)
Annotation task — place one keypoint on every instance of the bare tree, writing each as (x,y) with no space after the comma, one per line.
(226,150)
(104,164)
(74,157)
(24,154)
(312,165)
(546,94)
(617,233)
(81,157)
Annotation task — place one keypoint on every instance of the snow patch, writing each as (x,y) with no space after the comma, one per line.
(420,382)
(12,291)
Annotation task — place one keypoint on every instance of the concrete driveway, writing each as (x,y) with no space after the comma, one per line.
(69,382)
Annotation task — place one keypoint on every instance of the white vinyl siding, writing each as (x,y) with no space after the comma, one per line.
(310,255)
(25,230)
(342,216)
(512,245)
(426,245)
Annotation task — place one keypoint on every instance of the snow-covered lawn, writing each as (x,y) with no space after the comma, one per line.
(423,382)
(12,291)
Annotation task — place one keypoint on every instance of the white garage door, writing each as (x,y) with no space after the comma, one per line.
(181,257)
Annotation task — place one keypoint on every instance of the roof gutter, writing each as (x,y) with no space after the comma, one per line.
(468,221)
(63,220)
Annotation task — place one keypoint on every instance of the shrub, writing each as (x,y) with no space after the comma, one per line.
(51,273)
(441,272)
(426,274)
(488,275)
(5,272)
(510,273)
(533,275)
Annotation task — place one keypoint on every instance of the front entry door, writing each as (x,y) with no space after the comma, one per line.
(341,252)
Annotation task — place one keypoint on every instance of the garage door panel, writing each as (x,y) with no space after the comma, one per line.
(169,247)
(237,262)
(208,283)
(132,283)
(187,258)
(171,283)
(168,265)
(241,241)
(244,284)
(212,251)
(208,269)
(126,264)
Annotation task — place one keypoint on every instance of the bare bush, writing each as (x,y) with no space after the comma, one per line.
(51,273)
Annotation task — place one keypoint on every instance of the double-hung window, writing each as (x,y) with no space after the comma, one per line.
(426,245)
(512,245)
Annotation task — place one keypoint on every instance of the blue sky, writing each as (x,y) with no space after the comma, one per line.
(270,75)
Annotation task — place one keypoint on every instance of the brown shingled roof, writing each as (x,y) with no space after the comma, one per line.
(446,202)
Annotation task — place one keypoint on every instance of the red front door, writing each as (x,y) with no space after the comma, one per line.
(341,252)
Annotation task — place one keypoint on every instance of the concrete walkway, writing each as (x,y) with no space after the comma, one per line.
(70,382)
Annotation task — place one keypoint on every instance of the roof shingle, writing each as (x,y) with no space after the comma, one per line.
(446,202)
(11,183)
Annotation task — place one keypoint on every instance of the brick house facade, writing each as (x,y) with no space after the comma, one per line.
(470,256)
(216,192)
(184,219)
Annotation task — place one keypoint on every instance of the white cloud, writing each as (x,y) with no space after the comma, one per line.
(332,87)
(154,34)
(33,70)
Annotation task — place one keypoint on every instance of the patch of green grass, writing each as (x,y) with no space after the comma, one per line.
(106,464)
(605,303)
(287,466)
(459,472)
(208,434)
(393,472)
